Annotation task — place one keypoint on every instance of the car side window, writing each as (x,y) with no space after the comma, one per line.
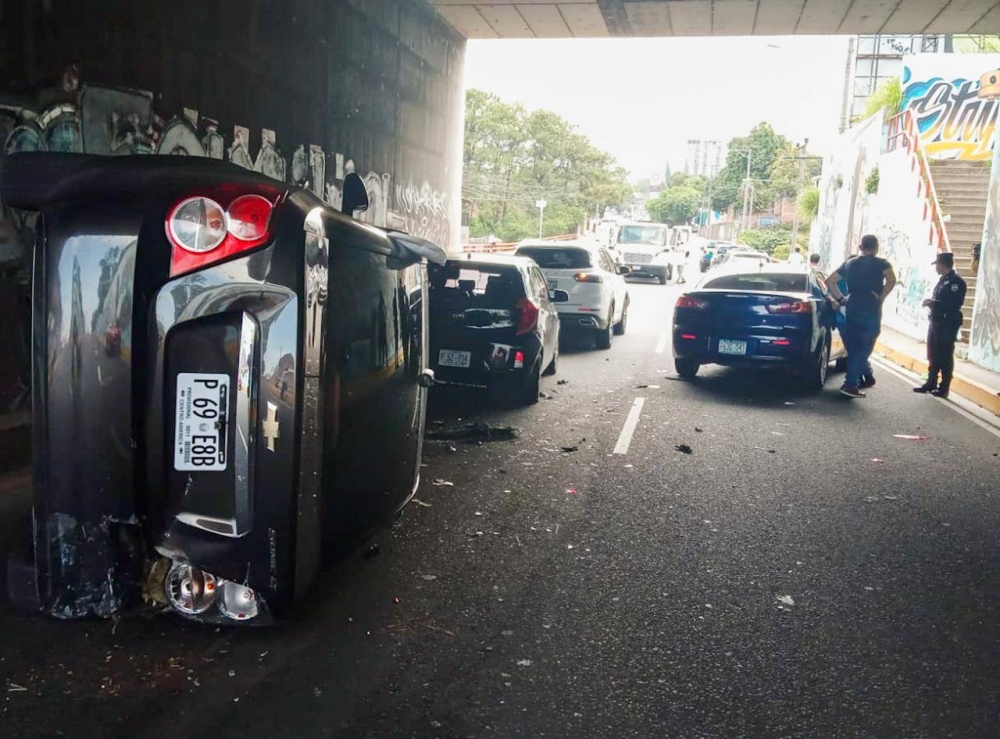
(538,285)
(606,263)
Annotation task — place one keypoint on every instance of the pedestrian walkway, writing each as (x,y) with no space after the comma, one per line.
(971,381)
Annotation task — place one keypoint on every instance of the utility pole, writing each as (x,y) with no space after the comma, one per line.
(746,189)
(540,204)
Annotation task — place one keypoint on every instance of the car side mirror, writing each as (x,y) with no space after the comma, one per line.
(559,296)
(355,195)
(623,270)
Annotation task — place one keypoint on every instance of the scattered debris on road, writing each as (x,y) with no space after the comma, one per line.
(429,578)
(684,449)
(697,430)
(421,503)
(374,550)
(524,663)
(570,449)
(571,491)
(439,483)
(911,437)
(473,432)
(876,460)
(563,382)
(786,600)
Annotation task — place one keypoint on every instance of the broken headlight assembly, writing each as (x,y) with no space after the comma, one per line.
(202,596)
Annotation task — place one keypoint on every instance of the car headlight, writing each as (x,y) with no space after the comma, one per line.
(195,593)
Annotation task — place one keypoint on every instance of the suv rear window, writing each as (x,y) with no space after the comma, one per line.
(485,285)
(550,258)
(765,281)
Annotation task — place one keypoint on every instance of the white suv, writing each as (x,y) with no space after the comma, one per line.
(598,295)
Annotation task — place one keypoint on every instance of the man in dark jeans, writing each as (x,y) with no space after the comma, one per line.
(946,320)
(869,280)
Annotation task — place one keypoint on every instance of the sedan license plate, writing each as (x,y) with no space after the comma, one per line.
(732,346)
(202,404)
(452,358)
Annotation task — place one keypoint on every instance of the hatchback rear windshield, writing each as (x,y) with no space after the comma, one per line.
(549,258)
(655,235)
(765,281)
(479,285)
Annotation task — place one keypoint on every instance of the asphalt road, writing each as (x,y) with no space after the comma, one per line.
(778,581)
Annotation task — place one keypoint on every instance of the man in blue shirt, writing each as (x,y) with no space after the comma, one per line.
(869,280)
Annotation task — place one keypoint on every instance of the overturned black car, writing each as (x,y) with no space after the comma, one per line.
(228,383)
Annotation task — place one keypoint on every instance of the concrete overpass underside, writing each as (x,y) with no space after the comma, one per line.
(479,19)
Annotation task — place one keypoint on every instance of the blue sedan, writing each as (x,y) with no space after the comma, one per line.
(772,315)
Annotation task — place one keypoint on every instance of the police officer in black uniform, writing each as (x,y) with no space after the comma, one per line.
(946,320)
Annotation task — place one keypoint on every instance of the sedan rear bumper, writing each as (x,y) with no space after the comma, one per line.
(759,350)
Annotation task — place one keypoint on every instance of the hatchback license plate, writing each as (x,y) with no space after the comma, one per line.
(732,346)
(452,358)
(202,404)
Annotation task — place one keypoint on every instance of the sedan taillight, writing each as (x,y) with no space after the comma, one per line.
(799,306)
(686,301)
(587,277)
(202,232)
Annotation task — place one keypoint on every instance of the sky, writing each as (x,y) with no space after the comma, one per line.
(642,99)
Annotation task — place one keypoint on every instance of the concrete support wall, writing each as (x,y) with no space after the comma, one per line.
(984,344)
(302,90)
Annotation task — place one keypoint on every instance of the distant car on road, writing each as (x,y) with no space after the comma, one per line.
(766,316)
(743,258)
(493,324)
(711,250)
(645,247)
(598,295)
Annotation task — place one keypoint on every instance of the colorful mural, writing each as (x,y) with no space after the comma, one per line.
(953,100)
(984,344)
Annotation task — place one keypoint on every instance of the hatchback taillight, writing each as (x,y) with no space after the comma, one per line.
(799,306)
(686,301)
(202,232)
(529,316)
(587,277)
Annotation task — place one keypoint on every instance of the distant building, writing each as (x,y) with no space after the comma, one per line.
(705,158)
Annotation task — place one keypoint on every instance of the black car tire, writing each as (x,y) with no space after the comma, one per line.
(815,373)
(622,324)
(662,279)
(553,365)
(526,392)
(686,368)
(603,338)
(669,274)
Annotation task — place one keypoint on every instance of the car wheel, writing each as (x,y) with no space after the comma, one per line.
(603,339)
(669,274)
(662,279)
(622,324)
(815,374)
(686,368)
(526,392)
(553,365)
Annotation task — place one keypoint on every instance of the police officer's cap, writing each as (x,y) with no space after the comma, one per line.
(945,258)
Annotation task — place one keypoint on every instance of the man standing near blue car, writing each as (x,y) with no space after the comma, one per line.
(869,280)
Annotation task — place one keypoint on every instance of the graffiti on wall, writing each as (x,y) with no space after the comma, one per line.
(844,201)
(984,343)
(949,96)
(114,121)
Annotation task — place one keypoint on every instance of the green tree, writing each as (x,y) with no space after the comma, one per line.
(514,158)
(675,205)
(808,203)
(888,97)
(764,146)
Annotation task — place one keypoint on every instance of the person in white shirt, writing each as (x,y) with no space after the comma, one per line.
(796,259)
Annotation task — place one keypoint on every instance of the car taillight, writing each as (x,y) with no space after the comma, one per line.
(686,301)
(529,316)
(587,277)
(799,306)
(201,232)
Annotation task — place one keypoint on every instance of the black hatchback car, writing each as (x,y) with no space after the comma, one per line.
(228,381)
(493,325)
(771,316)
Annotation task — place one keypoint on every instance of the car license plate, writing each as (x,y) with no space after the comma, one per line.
(452,358)
(202,403)
(732,346)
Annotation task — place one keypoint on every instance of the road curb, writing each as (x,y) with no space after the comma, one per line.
(969,389)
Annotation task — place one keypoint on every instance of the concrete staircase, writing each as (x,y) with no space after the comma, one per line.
(962,189)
